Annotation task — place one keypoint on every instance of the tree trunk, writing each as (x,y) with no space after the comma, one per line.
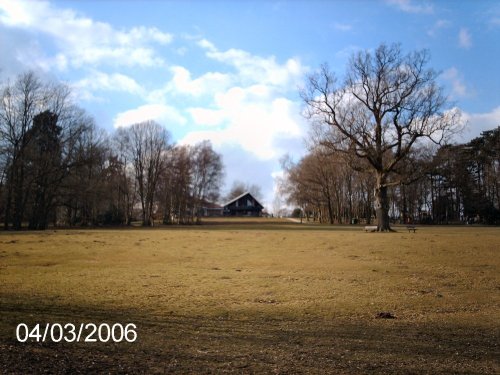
(382,204)
(330,208)
(8,202)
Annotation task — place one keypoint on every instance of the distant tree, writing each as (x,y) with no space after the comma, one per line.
(387,103)
(297,213)
(192,177)
(88,189)
(207,174)
(175,185)
(19,104)
(39,125)
(326,188)
(124,176)
(465,181)
(146,142)
(43,159)
(238,188)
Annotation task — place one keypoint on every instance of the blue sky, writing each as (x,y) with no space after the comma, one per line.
(229,71)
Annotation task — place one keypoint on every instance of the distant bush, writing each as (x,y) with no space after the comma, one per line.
(296,212)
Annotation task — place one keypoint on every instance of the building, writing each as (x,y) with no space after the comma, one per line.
(209,209)
(243,205)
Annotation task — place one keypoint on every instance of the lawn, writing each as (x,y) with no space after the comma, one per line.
(256,296)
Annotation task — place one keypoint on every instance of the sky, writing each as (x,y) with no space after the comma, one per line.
(231,71)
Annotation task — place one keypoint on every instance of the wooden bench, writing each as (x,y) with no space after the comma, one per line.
(370,228)
(411,228)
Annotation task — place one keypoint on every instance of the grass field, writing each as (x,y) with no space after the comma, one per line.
(256,296)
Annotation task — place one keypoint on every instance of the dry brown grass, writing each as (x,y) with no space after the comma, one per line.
(261,295)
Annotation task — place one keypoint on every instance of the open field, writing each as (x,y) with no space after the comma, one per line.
(256,296)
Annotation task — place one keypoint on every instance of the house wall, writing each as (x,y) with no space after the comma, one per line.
(245,206)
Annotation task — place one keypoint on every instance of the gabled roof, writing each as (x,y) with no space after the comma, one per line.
(241,196)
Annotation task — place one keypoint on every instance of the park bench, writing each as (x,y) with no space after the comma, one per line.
(411,228)
(370,228)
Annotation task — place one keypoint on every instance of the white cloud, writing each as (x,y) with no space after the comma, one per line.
(251,121)
(99,81)
(251,68)
(456,80)
(83,40)
(161,113)
(207,116)
(479,122)
(253,111)
(61,61)
(203,43)
(182,83)
(438,25)
(409,6)
(342,26)
(207,83)
(464,38)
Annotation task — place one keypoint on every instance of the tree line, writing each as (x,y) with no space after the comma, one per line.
(380,148)
(57,167)
(457,184)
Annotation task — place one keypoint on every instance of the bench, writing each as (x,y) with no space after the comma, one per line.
(411,228)
(370,228)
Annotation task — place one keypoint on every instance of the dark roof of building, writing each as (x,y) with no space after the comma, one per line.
(241,196)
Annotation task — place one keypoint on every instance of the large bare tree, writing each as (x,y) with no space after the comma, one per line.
(36,155)
(386,104)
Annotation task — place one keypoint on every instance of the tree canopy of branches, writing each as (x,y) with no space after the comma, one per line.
(39,127)
(192,179)
(207,175)
(238,188)
(326,188)
(386,104)
(57,167)
(146,142)
(460,183)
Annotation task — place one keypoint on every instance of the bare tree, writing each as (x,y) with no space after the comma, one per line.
(88,189)
(387,103)
(207,174)
(146,142)
(174,185)
(36,155)
(238,188)
(192,177)
(19,104)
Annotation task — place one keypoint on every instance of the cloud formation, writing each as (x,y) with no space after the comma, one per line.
(253,112)
(208,83)
(161,113)
(82,40)
(464,38)
(248,121)
(409,6)
(342,26)
(479,122)
(100,81)
(251,68)
(455,78)
(438,25)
